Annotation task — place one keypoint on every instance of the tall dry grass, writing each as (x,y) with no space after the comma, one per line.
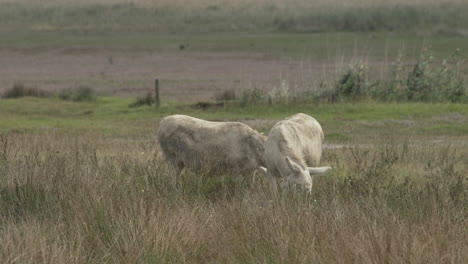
(91,199)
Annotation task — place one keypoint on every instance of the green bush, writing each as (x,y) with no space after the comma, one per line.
(427,80)
(252,96)
(19,90)
(354,83)
(226,95)
(148,99)
(80,94)
(279,95)
(435,82)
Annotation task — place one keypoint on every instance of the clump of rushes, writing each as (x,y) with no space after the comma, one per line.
(148,100)
(79,94)
(19,90)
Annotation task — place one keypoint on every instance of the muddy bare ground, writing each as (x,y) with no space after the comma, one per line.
(185,76)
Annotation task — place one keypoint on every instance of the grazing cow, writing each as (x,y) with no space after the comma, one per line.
(210,147)
(292,146)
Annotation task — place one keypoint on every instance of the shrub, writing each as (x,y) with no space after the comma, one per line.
(80,94)
(252,96)
(148,99)
(19,90)
(396,87)
(279,94)
(354,83)
(451,84)
(418,83)
(427,80)
(226,95)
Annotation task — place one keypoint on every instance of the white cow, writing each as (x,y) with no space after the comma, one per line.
(293,150)
(210,147)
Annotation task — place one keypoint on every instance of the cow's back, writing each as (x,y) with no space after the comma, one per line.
(308,137)
(298,137)
(200,144)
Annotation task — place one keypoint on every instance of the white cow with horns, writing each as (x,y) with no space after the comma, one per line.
(210,147)
(293,150)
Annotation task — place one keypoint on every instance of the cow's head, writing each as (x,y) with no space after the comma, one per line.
(303,176)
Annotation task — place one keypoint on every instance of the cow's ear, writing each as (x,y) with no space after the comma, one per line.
(293,165)
(318,170)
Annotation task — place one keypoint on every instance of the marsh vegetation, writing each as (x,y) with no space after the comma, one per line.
(76,199)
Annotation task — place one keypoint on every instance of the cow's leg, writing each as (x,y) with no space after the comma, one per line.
(272,182)
(176,170)
(255,177)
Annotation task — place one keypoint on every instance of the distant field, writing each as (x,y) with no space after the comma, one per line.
(201,48)
(204,3)
(176,17)
(197,67)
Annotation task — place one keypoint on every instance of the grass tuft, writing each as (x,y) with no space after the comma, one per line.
(79,94)
(148,100)
(19,90)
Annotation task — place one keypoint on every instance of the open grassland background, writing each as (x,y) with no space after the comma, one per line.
(199,67)
(208,2)
(200,48)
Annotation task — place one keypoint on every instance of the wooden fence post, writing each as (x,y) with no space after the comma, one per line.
(157,101)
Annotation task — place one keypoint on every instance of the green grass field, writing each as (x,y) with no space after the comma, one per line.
(113,117)
(294,45)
